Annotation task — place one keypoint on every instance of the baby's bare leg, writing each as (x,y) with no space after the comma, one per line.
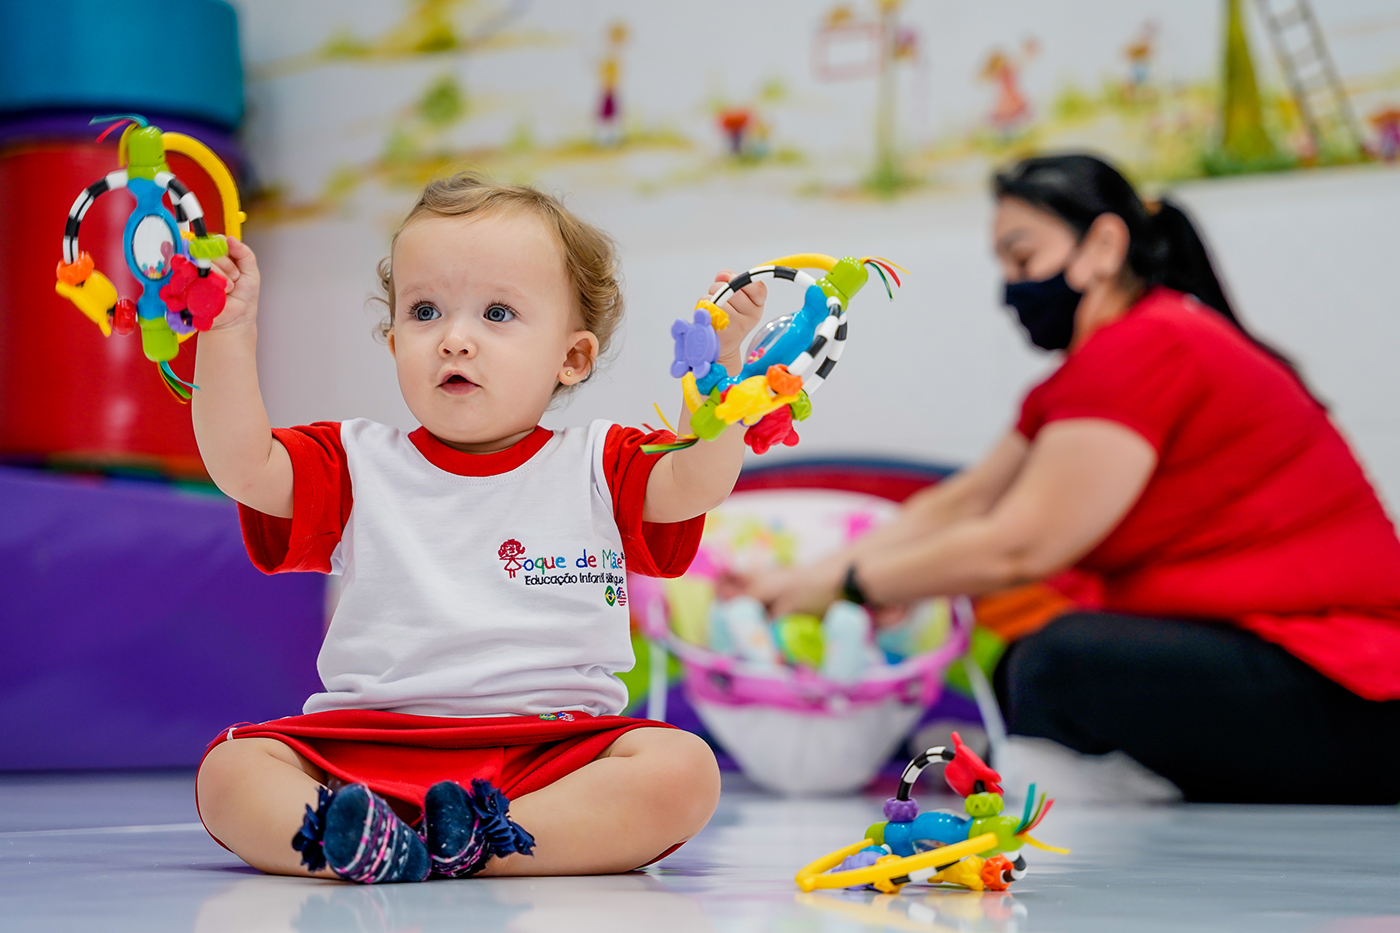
(252,794)
(649,790)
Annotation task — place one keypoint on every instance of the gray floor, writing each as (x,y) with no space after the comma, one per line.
(120,852)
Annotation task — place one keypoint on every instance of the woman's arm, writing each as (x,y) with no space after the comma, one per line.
(1079,478)
(230,421)
(966,494)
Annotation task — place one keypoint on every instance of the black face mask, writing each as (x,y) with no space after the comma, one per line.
(1046,310)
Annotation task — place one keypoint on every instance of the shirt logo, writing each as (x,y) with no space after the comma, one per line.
(606,567)
(511,551)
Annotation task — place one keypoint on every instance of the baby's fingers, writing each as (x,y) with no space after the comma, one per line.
(750,299)
(239,252)
(225,267)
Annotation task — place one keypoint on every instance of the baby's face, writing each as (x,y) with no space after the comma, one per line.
(485,326)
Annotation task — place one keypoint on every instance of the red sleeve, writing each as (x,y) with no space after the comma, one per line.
(651,548)
(1139,374)
(320,504)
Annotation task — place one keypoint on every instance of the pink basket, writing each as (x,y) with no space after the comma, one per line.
(793,730)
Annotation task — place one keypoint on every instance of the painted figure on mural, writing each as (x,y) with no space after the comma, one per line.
(609,117)
(1011,111)
(1387,124)
(1139,53)
(745,133)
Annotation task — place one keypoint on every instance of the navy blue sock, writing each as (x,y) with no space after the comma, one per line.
(465,829)
(361,839)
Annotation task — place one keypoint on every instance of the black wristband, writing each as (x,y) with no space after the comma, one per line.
(851,590)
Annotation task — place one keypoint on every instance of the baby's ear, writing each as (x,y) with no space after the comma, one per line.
(389,339)
(580,359)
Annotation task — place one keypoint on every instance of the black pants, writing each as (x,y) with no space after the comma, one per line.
(1223,714)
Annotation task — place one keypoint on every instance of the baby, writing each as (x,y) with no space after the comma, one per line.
(469,718)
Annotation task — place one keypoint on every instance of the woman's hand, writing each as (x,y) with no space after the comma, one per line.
(745,311)
(240,268)
(810,588)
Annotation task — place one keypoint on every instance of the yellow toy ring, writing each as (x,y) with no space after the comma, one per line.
(818,874)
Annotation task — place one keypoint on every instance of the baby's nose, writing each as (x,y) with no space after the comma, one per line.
(457,343)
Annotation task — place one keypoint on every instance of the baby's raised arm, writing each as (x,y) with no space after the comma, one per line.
(690,482)
(230,421)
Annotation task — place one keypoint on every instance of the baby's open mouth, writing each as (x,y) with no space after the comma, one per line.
(456,382)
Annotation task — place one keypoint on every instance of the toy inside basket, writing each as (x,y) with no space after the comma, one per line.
(791,726)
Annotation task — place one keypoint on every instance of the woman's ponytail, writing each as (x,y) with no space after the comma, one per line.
(1177,258)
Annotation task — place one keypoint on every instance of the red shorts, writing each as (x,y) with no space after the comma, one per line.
(400,756)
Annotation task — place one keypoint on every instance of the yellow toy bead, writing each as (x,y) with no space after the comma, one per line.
(719,318)
(691,392)
(967,873)
(885,885)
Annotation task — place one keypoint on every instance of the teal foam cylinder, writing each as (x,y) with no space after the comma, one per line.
(175,57)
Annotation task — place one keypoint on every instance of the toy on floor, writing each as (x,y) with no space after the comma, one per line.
(180,292)
(980,851)
(787,361)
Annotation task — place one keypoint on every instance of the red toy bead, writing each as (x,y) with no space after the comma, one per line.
(124,316)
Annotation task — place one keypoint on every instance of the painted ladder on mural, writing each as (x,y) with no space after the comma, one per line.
(1312,77)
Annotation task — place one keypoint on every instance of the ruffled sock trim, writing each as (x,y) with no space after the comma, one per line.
(503,835)
(489,831)
(309,839)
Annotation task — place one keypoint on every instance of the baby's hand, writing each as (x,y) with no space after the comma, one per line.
(745,311)
(240,268)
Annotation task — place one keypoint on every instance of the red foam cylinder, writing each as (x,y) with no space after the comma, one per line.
(67,393)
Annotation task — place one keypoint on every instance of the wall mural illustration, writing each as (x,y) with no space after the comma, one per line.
(865,99)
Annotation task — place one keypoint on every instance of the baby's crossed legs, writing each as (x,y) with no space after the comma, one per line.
(648,791)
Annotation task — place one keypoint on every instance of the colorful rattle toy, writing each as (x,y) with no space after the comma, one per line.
(180,292)
(788,358)
(981,851)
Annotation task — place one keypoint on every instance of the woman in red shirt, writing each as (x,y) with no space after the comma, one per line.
(1246,643)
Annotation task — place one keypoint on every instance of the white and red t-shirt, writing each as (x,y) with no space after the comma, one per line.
(473,585)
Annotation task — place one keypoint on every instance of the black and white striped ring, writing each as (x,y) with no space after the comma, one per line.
(187,210)
(815,363)
(916,767)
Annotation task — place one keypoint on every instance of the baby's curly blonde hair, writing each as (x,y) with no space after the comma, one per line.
(590,256)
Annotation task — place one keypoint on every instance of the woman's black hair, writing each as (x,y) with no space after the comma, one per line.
(1163,245)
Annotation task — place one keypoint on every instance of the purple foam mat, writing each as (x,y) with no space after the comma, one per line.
(135,627)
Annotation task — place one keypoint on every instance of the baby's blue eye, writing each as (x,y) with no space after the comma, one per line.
(499,314)
(425,313)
